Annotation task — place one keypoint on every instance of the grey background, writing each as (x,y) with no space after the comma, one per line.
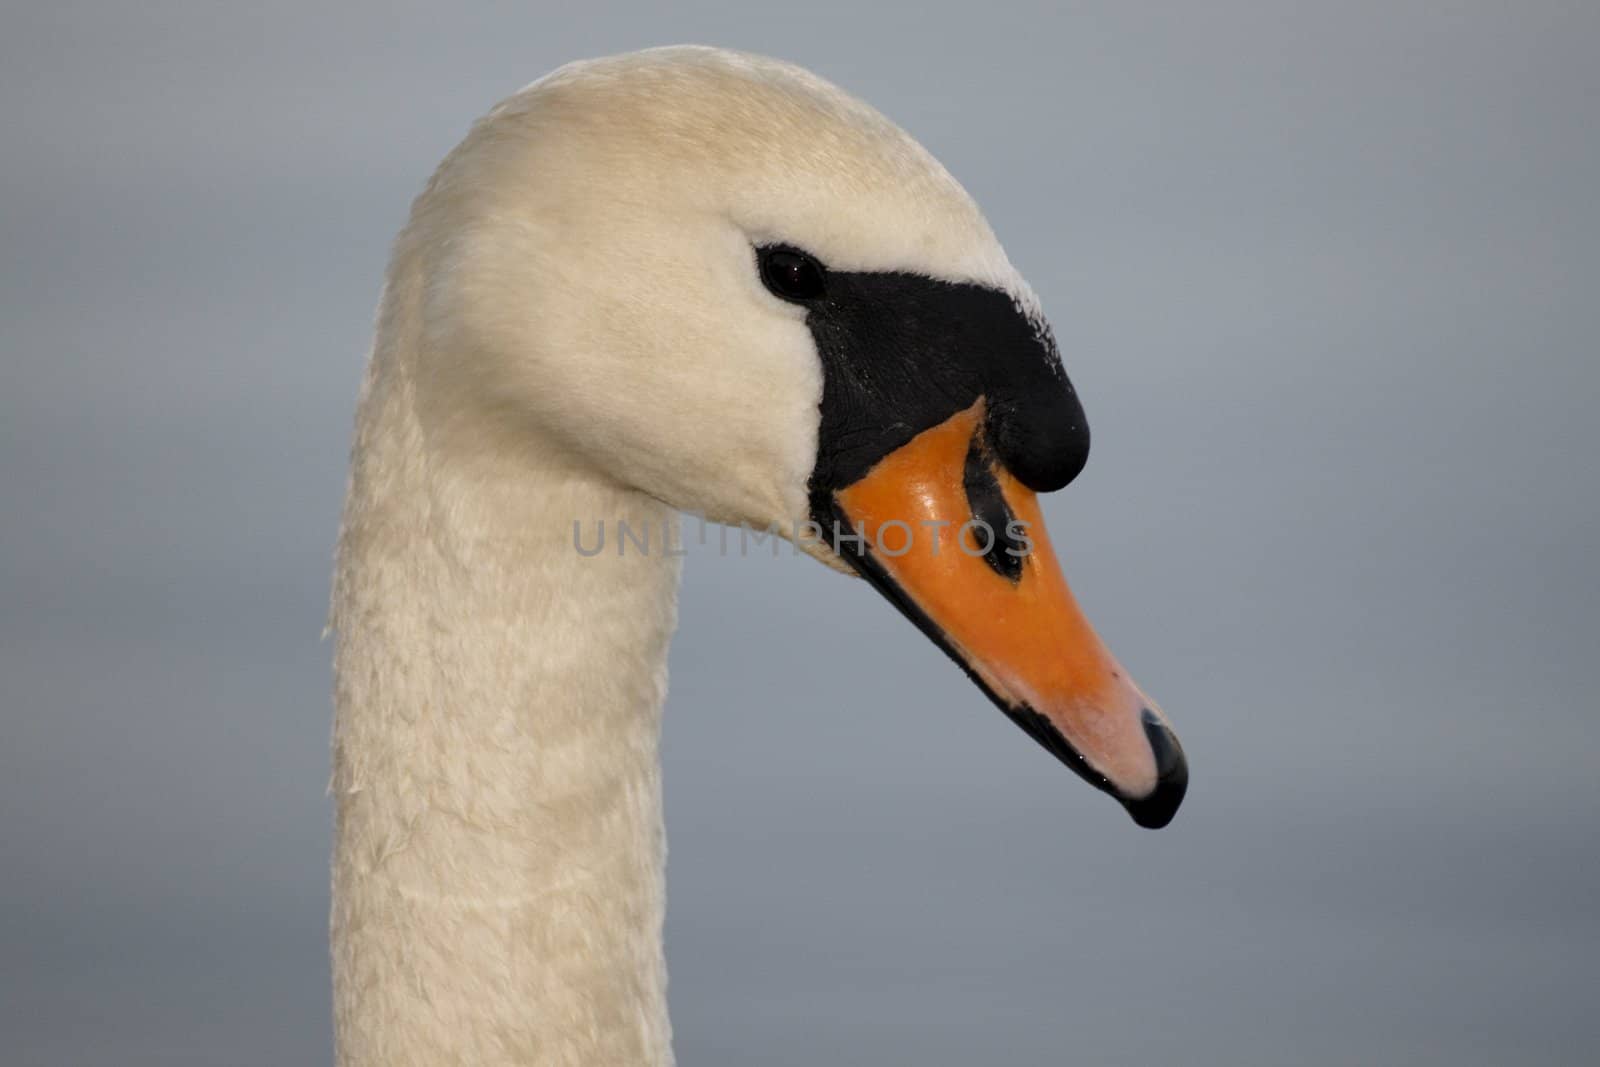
(1326,277)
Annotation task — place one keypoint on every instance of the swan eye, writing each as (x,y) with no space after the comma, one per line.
(792,275)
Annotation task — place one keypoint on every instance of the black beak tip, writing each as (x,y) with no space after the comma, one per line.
(1156,809)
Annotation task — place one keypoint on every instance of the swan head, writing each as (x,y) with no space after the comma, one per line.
(719,280)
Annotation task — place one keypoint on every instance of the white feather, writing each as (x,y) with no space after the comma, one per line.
(572,329)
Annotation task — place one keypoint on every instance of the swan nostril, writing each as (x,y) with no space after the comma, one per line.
(1003,552)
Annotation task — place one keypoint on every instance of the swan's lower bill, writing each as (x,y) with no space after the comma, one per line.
(960,547)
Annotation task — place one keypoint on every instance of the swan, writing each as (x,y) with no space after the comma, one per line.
(679,280)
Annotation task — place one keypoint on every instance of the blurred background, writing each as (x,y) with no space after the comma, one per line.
(1325,276)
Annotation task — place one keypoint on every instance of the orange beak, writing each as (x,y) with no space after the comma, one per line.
(960,547)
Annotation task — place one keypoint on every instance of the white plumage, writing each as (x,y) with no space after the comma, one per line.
(571,329)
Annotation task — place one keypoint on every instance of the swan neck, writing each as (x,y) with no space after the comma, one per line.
(498,867)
